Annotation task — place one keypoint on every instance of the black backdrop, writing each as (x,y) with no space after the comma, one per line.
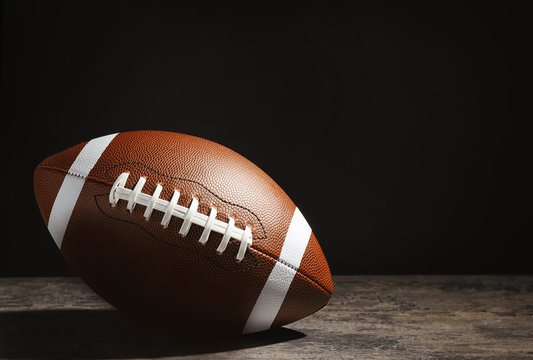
(396,128)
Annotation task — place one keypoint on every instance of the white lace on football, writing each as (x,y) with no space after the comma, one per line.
(188,214)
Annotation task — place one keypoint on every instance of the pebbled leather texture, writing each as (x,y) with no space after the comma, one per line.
(155,274)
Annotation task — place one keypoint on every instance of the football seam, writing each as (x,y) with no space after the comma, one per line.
(48,167)
(297,270)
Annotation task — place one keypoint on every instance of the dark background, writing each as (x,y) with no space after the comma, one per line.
(398,129)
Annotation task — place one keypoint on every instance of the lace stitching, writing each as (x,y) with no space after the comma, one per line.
(190,215)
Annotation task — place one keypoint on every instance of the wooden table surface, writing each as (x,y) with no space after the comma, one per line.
(369,317)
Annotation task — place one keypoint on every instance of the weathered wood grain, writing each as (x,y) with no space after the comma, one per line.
(370,317)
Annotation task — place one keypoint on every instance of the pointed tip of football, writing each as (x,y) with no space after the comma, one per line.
(315,266)
(304,298)
(311,288)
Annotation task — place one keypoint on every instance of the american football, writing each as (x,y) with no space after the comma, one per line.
(182,232)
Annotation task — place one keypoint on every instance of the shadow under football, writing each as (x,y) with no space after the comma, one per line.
(97,334)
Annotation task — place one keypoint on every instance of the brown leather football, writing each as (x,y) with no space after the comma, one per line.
(182,232)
